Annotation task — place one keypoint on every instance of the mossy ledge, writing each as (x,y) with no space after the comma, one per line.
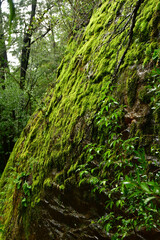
(51,145)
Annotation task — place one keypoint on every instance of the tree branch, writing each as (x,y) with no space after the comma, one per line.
(40,37)
(138,4)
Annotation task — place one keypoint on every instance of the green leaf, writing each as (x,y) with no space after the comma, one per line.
(126,183)
(145,187)
(81,181)
(92,171)
(93,180)
(103,189)
(152,183)
(119,203)
(148,199)
(82,173)
(156,190)
(103,182)
(156,54)
(24,202)
(108,227)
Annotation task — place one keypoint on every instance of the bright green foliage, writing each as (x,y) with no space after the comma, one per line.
(51,27)
(26,189)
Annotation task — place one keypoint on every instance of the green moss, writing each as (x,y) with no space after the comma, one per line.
(70,182)
(146,61)
(47,182)
(131,86)
(145,94)
(139,135)
(133,129)
(155,23)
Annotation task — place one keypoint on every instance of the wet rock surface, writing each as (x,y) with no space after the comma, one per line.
(68,216)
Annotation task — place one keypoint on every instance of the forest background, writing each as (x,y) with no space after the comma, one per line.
(31,48)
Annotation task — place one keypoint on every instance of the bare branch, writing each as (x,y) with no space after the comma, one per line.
(42,36)
(138,4)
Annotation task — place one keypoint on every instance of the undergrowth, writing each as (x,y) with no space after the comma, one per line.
(118,168)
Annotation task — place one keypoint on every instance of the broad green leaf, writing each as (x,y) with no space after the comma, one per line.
(148,199)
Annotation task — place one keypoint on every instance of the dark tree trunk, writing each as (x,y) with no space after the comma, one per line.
(3,53)
(26,46)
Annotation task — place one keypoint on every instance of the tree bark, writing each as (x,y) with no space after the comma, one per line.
(26,46)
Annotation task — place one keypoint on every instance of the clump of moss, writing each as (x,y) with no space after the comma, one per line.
(131,86)
(156,23)
(145,95)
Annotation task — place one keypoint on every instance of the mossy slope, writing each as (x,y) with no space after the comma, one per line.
(57,132)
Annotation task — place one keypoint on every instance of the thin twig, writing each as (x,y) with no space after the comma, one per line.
(8,72)
(141,237)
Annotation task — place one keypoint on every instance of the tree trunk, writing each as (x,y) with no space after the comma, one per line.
(3,53)
(26,46)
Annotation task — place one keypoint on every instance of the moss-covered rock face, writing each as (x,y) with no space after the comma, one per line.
(40,179)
